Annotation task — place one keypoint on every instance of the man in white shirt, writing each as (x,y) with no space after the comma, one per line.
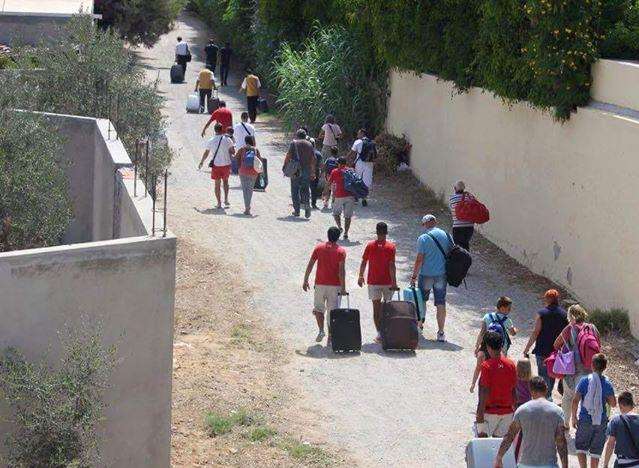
(364,152)
(182,53)
(330,135)
(221,149)
(243,129)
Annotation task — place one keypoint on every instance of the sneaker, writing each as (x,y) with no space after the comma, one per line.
(295,214)
(307,212)
(320,336)
(364,202)
(226,203)
(441,337)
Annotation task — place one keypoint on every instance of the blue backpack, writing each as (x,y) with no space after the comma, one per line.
(497,325)
(329,165)
(249,159)
(354,184)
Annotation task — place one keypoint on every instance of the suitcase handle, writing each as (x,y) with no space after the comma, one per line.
(348,299)
(398,290)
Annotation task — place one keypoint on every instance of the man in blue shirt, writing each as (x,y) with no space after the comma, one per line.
(430,268)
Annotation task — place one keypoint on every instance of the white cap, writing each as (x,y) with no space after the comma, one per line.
(428,218)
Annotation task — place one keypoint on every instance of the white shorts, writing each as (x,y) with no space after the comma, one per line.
(365,171)
(380,293)
(497,424)
(346,204)
(326,298)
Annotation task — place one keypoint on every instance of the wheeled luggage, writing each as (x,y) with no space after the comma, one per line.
(214,102)
(344,329)
(414,295)
(481,453)
(177,73)
(262,105)
(193,103)
(262,179)
(399,327)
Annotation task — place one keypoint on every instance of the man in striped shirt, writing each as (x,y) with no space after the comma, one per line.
(462,230)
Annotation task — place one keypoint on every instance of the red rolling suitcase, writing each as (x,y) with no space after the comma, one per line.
(399,325)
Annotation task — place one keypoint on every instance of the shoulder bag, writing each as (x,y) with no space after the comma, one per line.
(215,154)
(293,167)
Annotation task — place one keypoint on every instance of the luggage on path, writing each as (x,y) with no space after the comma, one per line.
(213,102)
(177,73)
(354,184)
(262,179)
(481,453)
(344,329)
(193,103)
(399,328)
(414,295)
(262,105)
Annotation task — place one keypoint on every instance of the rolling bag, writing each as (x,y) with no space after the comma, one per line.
(262,105)
(344,329)
(214,102)
(399,328)
(193,103)
(415,296)
(177,74)
(262,179)
(481,453)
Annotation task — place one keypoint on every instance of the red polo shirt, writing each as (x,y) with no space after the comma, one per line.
(337,178)
(499,375)
(380,256)
(328,257)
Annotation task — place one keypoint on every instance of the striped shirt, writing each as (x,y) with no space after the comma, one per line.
(454,200)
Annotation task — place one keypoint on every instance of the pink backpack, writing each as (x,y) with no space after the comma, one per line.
(588,344)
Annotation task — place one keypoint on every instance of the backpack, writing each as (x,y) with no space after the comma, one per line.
(369,150)
(458,261)
(497,325)
(354,184)
(248,161)
(588,344)
(330,165)
(470,209)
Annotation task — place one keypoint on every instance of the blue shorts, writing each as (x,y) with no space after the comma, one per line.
(437,284)
(590,439)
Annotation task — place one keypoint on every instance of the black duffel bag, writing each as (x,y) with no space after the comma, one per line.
(458,261)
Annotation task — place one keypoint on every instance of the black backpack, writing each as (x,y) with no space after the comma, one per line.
(369,150)
(458,262)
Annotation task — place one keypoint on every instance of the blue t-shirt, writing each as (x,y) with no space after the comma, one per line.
(606,391)
(624,448)
(434,262)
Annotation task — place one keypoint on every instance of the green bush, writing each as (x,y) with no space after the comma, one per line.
(620,29)
(390,148)
(612,320)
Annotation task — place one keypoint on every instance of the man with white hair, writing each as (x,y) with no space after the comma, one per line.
(462,230)
(430,268)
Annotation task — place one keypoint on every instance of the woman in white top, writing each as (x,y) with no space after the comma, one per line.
(330,135)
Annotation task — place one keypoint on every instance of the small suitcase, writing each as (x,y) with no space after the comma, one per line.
(262,179)
(177,73)
(344,329)
(262,105)
(193,103)
(399,327)
(481,453)
(213,103)
(415,296)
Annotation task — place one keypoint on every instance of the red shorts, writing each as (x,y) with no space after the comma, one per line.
(220,172)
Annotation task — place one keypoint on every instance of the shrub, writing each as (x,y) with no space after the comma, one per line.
(612,320)
(391,150)
(55,411)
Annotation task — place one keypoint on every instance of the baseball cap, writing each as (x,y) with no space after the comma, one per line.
(428,218)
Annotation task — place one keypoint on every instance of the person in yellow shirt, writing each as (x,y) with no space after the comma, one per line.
(251,85)
(205,84)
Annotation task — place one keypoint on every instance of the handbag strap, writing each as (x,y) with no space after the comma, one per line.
(332,131)
(626,424)
(246,129)
(216,150)
(439,246)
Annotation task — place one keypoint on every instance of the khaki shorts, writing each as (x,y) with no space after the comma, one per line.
(326,298)
(380,293)
(498,424)
(346,204)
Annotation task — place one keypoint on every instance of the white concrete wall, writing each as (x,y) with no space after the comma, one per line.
(615,82)
(562,197)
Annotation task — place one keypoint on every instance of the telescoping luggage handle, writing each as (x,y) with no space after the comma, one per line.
(348,299)
(399,296)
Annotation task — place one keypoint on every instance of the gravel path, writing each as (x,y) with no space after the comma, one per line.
(385,409)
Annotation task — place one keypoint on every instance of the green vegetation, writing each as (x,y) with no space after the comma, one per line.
(217,424)
(612,320)
(55,412)
(306,453)
(261,433)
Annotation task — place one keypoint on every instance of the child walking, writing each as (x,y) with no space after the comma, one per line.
(481,354)
(524,374)
(499,322)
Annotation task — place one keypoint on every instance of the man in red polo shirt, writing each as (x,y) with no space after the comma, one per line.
(496,390)
(343,200)
(380,256)
(223,116)
(330,278)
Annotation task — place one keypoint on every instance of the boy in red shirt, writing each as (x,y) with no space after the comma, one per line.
(223,116)
(380,257)
(496,390)
(330,278)
(343,200)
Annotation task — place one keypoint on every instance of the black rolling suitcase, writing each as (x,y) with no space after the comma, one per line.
(262,179)
(344,329)
(262,105)
(177,74)
(399,328)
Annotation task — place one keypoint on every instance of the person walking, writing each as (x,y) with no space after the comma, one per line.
(330,134)
(317,184)
(222,150)
(330,279)
(577,317)
(205,84)
(302,151)
(596,395)
(462,230)
(251,85)
(497,384)
(379,255)
(331,163)
(246,157)
(182,53)
(430,268)
(244,129)
(210,51)
(343,201)
(500,322)
(221,115)
(550,321)
(623,435)
(225,63)
(539,423)
(363,153)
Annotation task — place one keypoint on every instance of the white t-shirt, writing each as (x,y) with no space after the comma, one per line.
(223,157)
(331,131)
(239,132)
(182,48)
(357,146)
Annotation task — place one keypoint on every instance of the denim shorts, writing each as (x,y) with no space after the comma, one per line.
(590,439)
(437,284)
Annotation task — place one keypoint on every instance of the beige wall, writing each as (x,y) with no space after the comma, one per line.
(562,197)
(615,82)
